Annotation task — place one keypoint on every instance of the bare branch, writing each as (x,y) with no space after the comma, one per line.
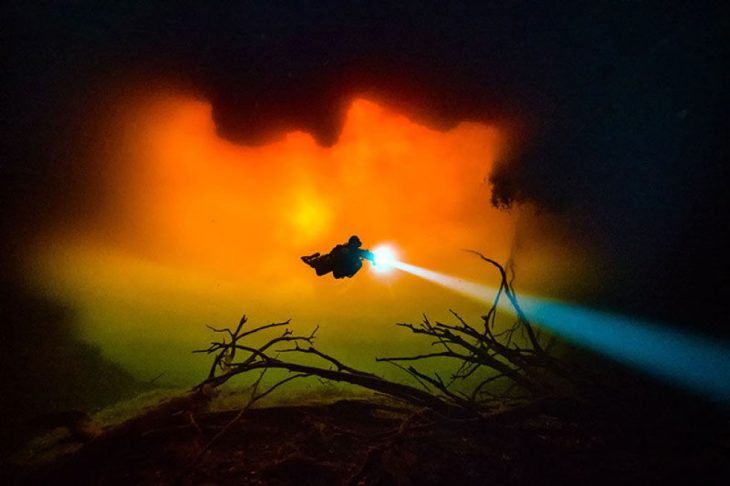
(513,300)
(339,365)
(527,367)
(262,328)
(423,384)
(444,354)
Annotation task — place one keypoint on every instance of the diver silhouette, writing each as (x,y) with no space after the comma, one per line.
(343,260)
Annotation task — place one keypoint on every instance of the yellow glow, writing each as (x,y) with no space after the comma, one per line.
(311,217)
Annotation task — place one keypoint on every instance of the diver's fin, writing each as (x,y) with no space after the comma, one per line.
(308,259)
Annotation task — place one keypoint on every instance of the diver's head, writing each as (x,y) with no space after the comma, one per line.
(354,241)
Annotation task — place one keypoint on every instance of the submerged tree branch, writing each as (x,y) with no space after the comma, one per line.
(527,366)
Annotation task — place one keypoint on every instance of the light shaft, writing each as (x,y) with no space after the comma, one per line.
(695,363)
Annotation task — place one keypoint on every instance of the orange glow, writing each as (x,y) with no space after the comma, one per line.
(195,228)
(188,198)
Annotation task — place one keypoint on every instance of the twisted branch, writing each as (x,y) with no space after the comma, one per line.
(526,367)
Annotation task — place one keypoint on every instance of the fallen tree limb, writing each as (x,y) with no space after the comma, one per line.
(523,365)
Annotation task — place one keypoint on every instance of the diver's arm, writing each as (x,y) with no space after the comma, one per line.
(368,255)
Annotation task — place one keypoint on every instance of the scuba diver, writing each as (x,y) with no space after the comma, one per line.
(343,260)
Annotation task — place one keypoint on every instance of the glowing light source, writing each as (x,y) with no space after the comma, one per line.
(385,258)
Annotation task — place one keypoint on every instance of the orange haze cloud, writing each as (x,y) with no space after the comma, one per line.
(190,198)
(196,230)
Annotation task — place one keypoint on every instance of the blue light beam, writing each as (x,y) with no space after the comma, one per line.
(690,361)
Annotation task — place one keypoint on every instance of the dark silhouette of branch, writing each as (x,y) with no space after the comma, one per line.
(523,365)
(498,354)
(257,358)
